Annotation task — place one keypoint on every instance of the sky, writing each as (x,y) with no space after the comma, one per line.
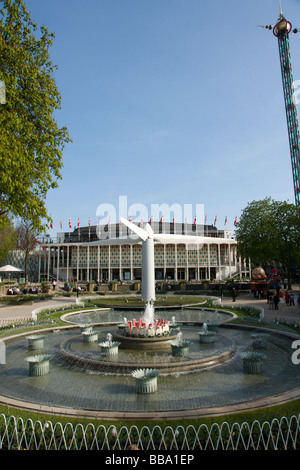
(169,103)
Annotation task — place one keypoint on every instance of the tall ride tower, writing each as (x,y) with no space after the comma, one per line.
(281,30)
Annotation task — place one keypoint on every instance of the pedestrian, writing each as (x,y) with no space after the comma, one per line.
(54,284)
(292,299)
(281,297)
(234,294)
(298,300)
(276,301)
(287,297)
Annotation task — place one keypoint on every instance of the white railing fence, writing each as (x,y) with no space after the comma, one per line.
(277,434)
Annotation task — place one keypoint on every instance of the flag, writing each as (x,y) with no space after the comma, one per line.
(195,220)
(70,225)
(151,220)
(235,221)
(162,219)
(99,222)
(173,220)
(78,222)
(89,221)
(130,218)
(51,225)
(225,220)
(60,225)
(205,220)
(215,220)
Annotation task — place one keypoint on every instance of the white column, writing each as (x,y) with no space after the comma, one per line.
(219,260)
(58,256)
(68,254)
(229,256)
(77,273)
(120,263)
(109,275)
(176,274)
(198,264)
(88,265)
(208,258)
(187,262)
(48,267)
(98,263)
(131,270)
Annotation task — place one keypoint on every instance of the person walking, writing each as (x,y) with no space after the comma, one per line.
(292,299)
(276,301)
(287,297)
(234,294)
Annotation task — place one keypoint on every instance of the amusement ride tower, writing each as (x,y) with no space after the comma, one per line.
(281,30)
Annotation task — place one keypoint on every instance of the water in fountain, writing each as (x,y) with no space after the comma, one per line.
(109,339)
(179,338)
(204,328)
(148,317)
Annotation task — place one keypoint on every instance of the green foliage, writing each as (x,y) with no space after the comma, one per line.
(7,237)
(31,141)
(269,233)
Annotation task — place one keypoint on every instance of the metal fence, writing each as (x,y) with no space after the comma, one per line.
(277,434)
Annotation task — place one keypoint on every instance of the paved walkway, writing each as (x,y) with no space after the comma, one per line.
(284,312)
(25,310)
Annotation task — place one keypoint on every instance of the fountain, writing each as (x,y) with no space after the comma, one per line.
(145,332)
(252,362)
(206,336)
(180,347)
(145,380)
(89,335)
(109,347)
(102,378)
(38,365)
(35,341)
(260,340)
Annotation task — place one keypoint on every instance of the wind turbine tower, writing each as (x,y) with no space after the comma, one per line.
(282,30)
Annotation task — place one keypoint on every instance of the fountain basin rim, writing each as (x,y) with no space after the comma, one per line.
(126,368)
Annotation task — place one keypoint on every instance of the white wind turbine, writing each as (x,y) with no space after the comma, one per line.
(148,278)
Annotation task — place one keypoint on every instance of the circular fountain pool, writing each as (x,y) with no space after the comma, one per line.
(210,379)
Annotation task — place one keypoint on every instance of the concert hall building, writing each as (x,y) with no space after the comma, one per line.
(185,252)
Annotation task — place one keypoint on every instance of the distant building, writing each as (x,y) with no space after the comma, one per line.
(107,253)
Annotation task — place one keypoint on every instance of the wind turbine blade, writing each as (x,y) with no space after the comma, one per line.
(138,230)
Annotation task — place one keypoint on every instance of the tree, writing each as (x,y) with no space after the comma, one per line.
(26,241)
(268,232)
(31,142)
(7,237)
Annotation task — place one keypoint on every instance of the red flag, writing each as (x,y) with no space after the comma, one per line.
(60,225)
(162,219)
(151,220)
(235,221)
(78,223)
(51,225)
(195,220)
(89,221)
(215,220)
(70,225)
(225,220)
(130,218)
(173,220)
